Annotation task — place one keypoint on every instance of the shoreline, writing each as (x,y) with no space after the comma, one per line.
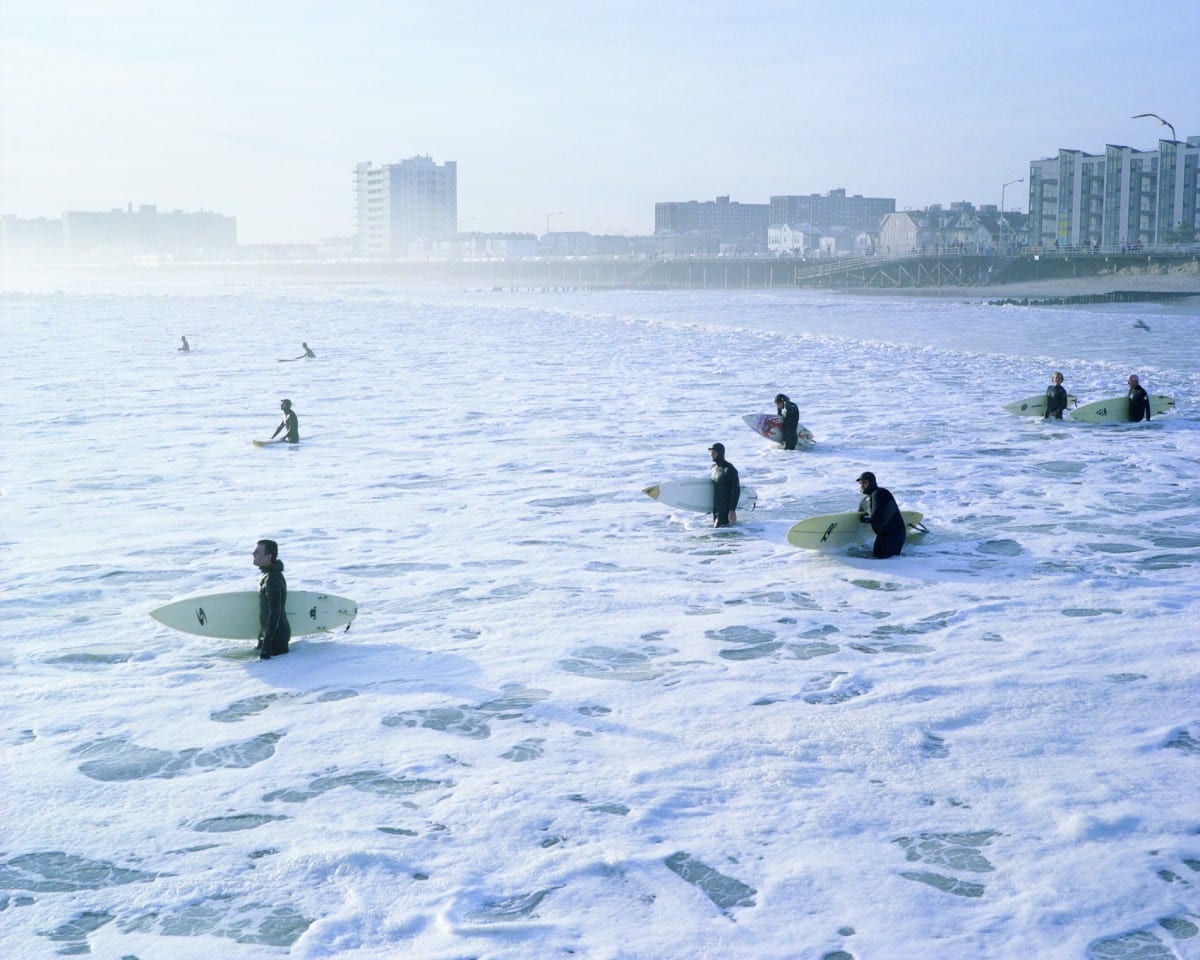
(1183,281)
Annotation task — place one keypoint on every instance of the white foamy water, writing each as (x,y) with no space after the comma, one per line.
(568,720)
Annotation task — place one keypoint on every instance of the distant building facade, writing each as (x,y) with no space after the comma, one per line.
(1118,198)
(832,210)
(405,207)
(31,241)
(718,222)
(119,235)
(495,246)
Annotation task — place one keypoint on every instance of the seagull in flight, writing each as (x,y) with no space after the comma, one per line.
(1137,116)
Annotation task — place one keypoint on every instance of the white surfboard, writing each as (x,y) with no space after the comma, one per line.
(1116,409)
(1033,406)
(835,530)
(234,616)
(770,425)
(279,440)
(695,495)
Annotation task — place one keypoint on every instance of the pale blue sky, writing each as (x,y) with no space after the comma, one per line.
(260,110)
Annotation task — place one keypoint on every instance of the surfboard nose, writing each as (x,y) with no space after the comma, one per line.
(652,491)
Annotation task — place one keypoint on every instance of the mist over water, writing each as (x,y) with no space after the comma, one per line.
(568,720)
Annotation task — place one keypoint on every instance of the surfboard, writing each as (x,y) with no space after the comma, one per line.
(696,495)
(770,425)
(1116,409)
(835,530)
(234,616)
(1033,406)
(271,443)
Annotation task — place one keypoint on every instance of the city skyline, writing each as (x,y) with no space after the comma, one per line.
(583,119)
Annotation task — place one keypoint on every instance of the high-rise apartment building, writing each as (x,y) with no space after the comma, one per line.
(724,221)
(401,204)
(1119,198)
(834,209)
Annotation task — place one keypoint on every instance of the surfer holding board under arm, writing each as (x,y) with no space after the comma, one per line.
(727,488)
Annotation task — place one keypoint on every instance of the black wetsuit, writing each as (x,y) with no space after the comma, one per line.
(727,489)
(791,420)
(1056,402)
(291,424)
(274,631)
(1139,405)
(886,520)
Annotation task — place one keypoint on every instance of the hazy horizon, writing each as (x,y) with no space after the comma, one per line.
(590,115)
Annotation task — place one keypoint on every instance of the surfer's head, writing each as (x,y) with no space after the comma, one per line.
(718,451)
(1133,380)
(781,399)
(266,552)
(866,480)
(1056,378)
(285,404)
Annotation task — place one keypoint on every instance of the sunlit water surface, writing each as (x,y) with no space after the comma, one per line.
(570,721)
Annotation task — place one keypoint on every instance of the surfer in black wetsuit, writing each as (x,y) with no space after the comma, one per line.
(1139,402)
(791,419)
(274,631)
(727,488)
(1056,398)
(184,348)
(290,423)
(878,508)
(307,352)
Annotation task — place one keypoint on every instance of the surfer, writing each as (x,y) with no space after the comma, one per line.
(307,353)
(290,423)
(274,631)
(184,348)
(1139,403)
(727,489)
(791,419)
(878,508)
(1056,398)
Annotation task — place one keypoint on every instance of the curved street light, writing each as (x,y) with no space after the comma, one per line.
(1002,220)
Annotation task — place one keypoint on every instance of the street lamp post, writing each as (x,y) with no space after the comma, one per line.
(1002,189)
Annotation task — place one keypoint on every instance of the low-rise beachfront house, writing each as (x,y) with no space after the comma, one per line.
(902,233)
(962,229)
(787,241)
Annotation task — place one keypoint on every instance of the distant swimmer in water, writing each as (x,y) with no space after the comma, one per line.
(1140,324)
(307,353)
(290,423)
(183,347)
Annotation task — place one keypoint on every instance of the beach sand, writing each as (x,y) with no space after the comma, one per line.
(1182,279)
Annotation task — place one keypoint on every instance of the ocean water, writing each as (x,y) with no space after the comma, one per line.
(570,721)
